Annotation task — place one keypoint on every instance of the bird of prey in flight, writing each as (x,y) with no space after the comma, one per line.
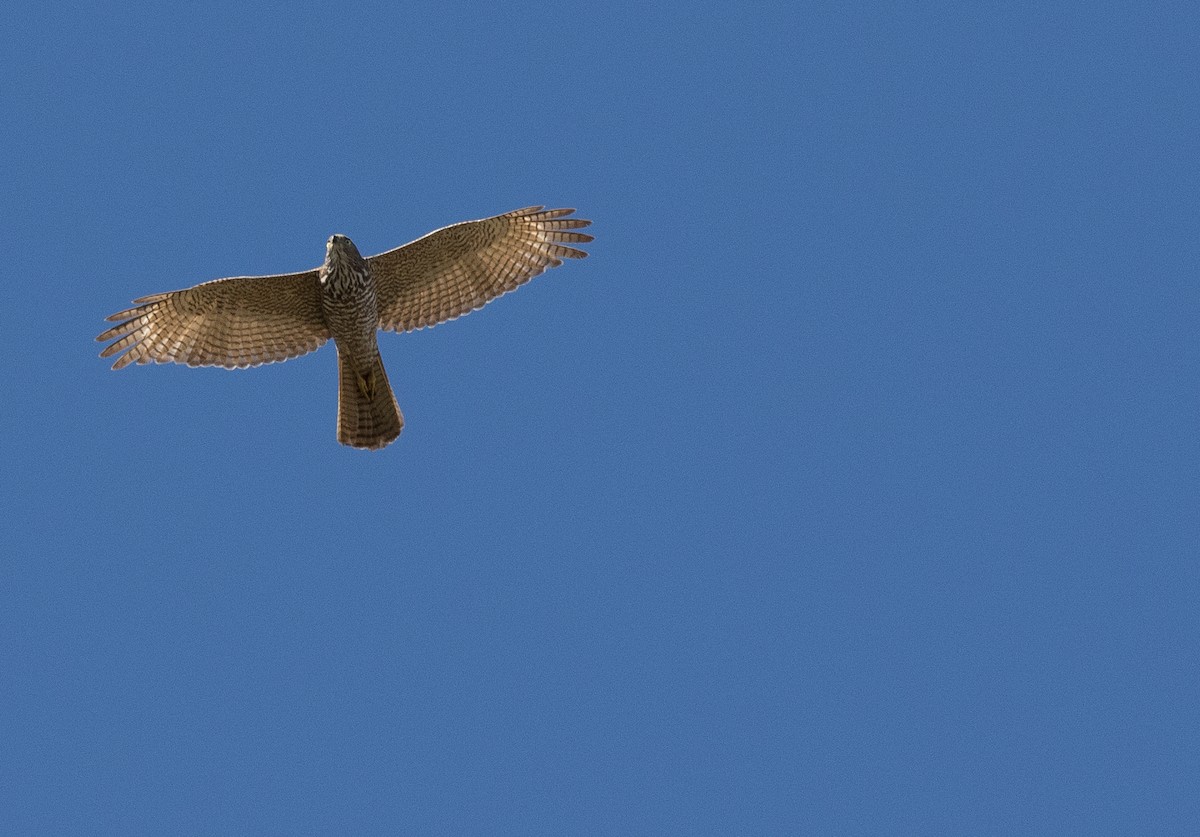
(251,320)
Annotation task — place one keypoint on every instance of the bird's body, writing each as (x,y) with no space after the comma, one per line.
(368,415)
(349,299)
(246,321)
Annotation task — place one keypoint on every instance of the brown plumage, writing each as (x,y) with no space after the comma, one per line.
(251,320)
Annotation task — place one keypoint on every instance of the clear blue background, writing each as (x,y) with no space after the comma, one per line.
(849,487)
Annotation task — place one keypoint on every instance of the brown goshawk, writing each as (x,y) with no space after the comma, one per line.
(251,320)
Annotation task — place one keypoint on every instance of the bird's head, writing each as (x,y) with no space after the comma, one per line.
(340,249)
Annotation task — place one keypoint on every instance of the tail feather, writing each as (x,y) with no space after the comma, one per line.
(368,415)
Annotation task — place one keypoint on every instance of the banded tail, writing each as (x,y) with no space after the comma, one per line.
(368,415)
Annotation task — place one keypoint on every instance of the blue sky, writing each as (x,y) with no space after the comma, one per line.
(849,487)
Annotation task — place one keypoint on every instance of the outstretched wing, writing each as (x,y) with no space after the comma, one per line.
(243,321)
(459,268)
